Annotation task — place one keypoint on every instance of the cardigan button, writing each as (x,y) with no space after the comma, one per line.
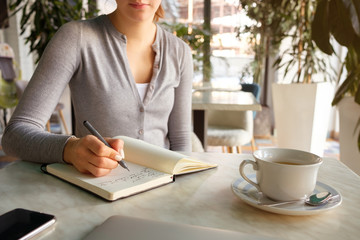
(141,131)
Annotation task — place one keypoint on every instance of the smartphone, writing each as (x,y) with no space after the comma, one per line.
(24,224)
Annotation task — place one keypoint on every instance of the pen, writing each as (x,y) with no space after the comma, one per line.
(97,134)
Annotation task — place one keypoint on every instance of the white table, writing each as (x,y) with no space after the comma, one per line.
(216,86)
(202,198)
(218,100)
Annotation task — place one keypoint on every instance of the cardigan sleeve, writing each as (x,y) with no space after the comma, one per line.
(180,117)
(24,136)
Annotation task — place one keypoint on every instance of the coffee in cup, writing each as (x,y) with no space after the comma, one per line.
(284,174)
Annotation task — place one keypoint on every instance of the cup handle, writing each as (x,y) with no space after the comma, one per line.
(241,170)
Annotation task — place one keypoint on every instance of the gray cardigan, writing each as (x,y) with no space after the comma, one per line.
(90,56)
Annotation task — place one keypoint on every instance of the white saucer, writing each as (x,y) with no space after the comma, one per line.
(249,194)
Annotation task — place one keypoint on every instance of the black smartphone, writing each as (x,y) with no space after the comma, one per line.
(24,224)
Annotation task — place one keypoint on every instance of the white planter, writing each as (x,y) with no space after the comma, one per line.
(302,114)
(349,113)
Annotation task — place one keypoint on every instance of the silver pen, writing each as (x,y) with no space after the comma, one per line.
(97,134)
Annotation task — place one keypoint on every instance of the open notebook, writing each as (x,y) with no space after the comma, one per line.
(150,166)
(131,228)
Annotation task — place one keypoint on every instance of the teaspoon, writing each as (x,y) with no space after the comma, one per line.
(314,200)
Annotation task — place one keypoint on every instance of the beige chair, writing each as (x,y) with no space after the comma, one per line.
(196,144)
(230,129)
(20,88)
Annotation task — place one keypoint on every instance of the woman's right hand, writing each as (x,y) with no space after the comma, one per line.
(89,155)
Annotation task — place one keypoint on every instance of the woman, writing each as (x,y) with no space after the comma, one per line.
(127,76)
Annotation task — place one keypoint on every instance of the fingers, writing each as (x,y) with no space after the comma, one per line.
(102,162)
(102,151)
(118,145)
(98,172)
(90,155)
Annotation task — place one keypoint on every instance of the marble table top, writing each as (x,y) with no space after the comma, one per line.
(216,86)
(202,198)
(224,100)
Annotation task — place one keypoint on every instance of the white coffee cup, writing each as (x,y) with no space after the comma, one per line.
(284,174)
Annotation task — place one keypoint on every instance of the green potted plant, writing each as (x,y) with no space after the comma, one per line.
(299,120)
(340,20)
(194,38)
(44,18)
(267,28)
(41,19)
(265,34)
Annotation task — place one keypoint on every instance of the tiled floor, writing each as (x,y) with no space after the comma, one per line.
(331,147)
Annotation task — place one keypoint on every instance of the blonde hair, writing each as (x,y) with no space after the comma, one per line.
(160,13)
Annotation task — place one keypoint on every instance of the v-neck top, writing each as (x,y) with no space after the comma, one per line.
(142,88)
(90,56)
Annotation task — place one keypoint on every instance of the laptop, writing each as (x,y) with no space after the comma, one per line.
(131,228)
